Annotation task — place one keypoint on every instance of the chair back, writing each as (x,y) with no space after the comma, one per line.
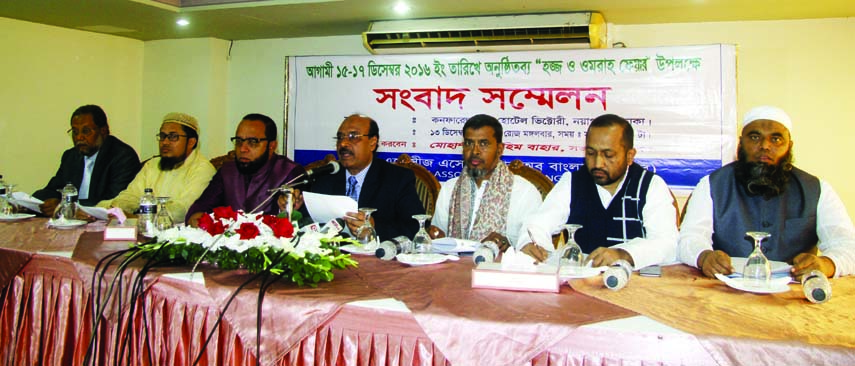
(220,160)
(534,176)
(427,185)
(319,163)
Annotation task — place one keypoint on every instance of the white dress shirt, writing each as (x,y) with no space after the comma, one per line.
(660,222)
(88,167)
(833,227)
(524,201)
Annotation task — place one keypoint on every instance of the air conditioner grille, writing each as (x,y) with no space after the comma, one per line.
(508,36)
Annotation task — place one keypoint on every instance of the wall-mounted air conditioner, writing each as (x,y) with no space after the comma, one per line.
(487,33)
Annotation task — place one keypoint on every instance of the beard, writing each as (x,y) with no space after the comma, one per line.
(253,166)
(476,173)
(761,179)
(171,163)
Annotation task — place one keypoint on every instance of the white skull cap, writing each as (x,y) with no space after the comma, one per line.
(770,113)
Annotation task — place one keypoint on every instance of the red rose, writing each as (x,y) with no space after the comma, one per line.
(247,230)
(214,228)
(225,213)
(281,226)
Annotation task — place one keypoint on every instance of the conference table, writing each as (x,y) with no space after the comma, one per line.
(387,313)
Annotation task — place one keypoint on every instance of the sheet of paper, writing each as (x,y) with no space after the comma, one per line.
(325,207)
(99,213)
(27,201)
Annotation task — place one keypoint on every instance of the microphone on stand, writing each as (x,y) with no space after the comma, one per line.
(329,168)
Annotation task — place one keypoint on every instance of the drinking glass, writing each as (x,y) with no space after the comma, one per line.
(163,221)
(366,234)
(758,270)
(570,253)
(7,205)
(422,242)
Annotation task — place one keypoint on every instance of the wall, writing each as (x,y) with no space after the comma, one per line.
(47,73)
(189,76)
(257,72)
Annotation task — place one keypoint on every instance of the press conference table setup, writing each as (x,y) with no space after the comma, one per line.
(388,313)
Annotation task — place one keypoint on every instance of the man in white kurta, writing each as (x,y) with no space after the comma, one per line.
(180,172)
(487,202)
(610,185)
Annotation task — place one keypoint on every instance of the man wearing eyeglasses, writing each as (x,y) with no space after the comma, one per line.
(245,182)
(626,211)
(486,202)
(180,172)
(99,165)
(372,182)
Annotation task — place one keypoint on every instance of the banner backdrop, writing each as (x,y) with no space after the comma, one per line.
(681,102)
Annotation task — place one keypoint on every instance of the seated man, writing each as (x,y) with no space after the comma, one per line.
(99,165)
(626,211)
(180,172)
(372,182)
(245,182)
(487,202)
(763,191)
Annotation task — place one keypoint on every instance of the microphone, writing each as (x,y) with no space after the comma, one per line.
(330,168)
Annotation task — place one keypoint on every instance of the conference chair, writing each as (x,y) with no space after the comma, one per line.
(220,160)
(318,163)
(534,176)
(427,185)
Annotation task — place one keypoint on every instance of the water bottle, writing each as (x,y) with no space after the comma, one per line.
(617,275)
(147,213)
(392,247)
(486,252)
(816,287)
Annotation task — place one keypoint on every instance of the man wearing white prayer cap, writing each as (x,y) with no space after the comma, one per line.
(180,172)
(763,191)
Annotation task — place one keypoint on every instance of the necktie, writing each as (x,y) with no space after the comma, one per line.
(351,188)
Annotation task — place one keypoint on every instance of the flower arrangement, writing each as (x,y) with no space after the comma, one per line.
(233,239)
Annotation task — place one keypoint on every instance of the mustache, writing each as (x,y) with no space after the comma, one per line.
(345,151)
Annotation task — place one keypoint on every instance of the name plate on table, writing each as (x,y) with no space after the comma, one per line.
(127,231)
(492,276)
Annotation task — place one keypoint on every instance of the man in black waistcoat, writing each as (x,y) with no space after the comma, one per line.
(626,212)
(762,191)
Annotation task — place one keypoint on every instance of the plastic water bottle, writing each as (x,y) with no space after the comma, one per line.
(392,247)
(486,252)
(816,287)
(147,213)
(617,275)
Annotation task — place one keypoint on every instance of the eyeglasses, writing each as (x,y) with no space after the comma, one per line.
(468,144)
(171,137)
(252,141)
(86,131)
(351,137)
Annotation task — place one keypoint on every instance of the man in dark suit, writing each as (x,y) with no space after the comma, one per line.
(99,165)
(372,182)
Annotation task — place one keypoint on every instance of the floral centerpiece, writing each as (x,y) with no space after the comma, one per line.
(233,239)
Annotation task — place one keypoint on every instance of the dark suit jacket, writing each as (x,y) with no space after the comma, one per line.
(388,188)
(116,166)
